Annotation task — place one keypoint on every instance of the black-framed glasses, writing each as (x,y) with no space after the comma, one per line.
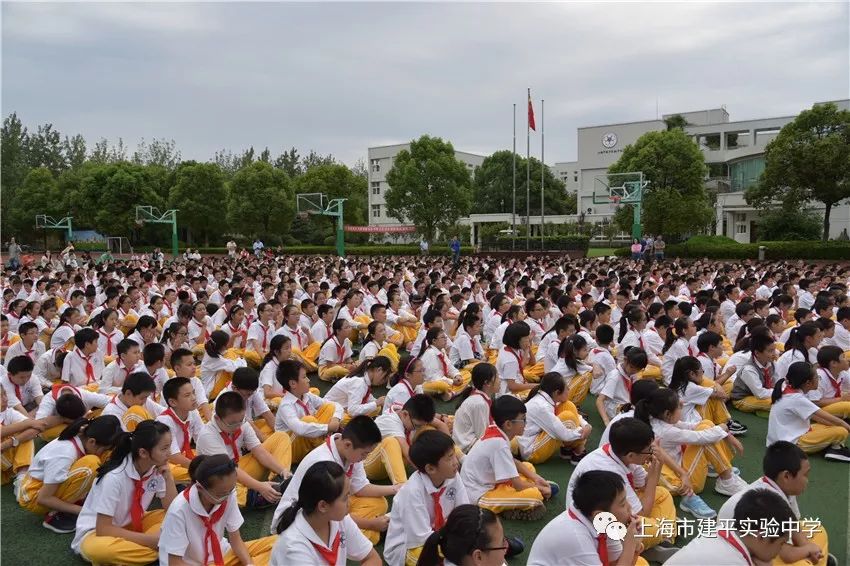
(505,546)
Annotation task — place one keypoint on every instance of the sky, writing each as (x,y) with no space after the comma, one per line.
(338,78)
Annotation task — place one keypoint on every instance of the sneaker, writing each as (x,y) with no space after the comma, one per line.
(256,501)
(533,514)
(661,553)
(61,523)
(712,473)
(516,546)
(837,453)
(736,428)
(576,458)
(696,506)
(555,488)
(731,486)
(566,453)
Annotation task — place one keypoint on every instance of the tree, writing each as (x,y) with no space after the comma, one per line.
(103,153)
(13,164)
(809,160)
(39,194)
(160,152)
(429,186)
(675,202)
(74,149)
(198,192)
(789,224)
(44,149)
(676,121)
(334,181)
(288,162)
(260,201)
(493,187)
(314,159)
(360,169)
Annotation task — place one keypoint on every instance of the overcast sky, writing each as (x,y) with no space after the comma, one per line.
(339,78)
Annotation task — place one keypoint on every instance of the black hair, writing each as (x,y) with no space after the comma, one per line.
(514,333)
(762,507)
(635,357)
(465,531)
(102,430)
(323,481)
(288,371)
(124,346)
(797,337)
(568,349)
(420,407)
(481,373)
(630,435)
(145,321)
(657,404)
(506,408)
(138,382)
(429,447)
(604,334)
(245,378)
(84,336)
(782,456)
(551,383)
(145,437)
(641,389)
(679,327)
(204,467)
(153,353)
(378,362)
(799,373)
(629,318)
(707,339)
(216,343)
(405,364)
(596,490)
(562,323)
(826,355)
(430,337)
(172,387)
(362,432)
(20,364)
(277,342)
(70,406)
(228,403)
(685,365)
(179,354)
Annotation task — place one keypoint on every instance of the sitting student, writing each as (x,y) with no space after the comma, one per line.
(473,412)
(367,504)
(303,347)
(316,528)
(601,358)
(29,345)
(743,546)
(354,392)
(83,367)
(801,346)
(466,350)
(121,367)
(421,506)
(512,359)
(335,355)
(183,365)
(108,336)
(185,423)
(786,472)
(571,364)
(64,405)
(48,368)
(754,381)
(246,382)
(797,419)
(471,536)
(16,441)
(63,472)
(630,455)
(640,390)
(441,377)
(701,398)
(114,525)
(145,331)
(833,391)
(404,384)
(618,384)
(596,491)
(691,446)
(192,533)
(134,404)
(494,479)
(710,349)
(305,416)
(375,343)
(228,433)
(280,349)
(398,429)
(553,423)
(677,345)
(216,369)
(22,388)
(550,343)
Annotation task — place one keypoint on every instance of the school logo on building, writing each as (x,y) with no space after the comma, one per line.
(609,140)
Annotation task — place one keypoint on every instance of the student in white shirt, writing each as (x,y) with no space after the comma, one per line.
(375,343)
(471,535)
(677,345)
(302,341)
(512,359)
(322,329)
(398,430)
(114,525)
(65,329)
(405,383)
(193,530)
(633,333)
(316,527)
(473,414)
(22,387)
(701,398)
(216,369)
(63,472)
(145,331)
(754,381)
(571,538)
(427,498)
(335,355)
(441,376)
(743,547)
(280,349)
(48,367)
(128,356)
(17,432)
(833,392)
(616,390)
(83,367)
(841,337)
(185,423)
(246,382)
(795,418)
(234,325)
(801,347)
(260,331)
(354,392)
(547,350)
(29,345)
(200,326)
(135,403)
(108,335)
(573,367)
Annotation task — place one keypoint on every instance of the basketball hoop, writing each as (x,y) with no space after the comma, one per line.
(615,200)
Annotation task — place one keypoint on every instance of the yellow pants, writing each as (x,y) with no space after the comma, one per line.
(368,508)
(820,437)
(841,409)
(278,445)
(15,458)
(579,387)
(259,550)
(751,404)
(115,550)
(264,428)
(728,385)
(695,460)
(332,373)
(390,351)
(133,416)
(651,372)
(440,387)
(253,358)
(491,355)
(53,432)
(309,356)
(408,333)
(656,524)
(545,446)
(714,409)
(180,473)
(222,380)
(820,538)
(303,445)
(504,497)
(73,490)
(386,462)
(534,372)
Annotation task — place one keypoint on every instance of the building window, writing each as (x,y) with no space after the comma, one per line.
(742,228)
(741,217)
(575,178)
(376,165)
(376,211)
(376,187)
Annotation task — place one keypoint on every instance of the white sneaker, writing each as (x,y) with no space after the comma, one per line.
(730,486)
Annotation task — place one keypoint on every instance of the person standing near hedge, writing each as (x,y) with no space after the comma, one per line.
(455,247)
(659,248)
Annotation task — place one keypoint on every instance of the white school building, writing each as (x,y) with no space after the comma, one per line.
(734,154)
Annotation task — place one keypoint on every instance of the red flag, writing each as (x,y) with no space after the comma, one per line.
(530,113)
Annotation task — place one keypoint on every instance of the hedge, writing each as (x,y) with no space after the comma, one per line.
(569,242)
(721,247)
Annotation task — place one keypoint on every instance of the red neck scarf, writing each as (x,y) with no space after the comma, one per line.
(493,431)
(627,381)
(340,350)
(211,540)
(607,449)
(601,542)
(62,386)
(230,440)
(442,358)
(297,333)
(439,519)
(329,556)
(727,536)
(108,340)
(517,355)
(186,446)
(137,511)
(836,385)
(765,372)
(75,442)
(89,367)
(306,408)
(348,471)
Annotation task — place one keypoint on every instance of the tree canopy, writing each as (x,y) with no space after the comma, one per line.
(261,201)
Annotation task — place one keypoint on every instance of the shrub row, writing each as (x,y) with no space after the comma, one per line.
(721,247)
(569,242)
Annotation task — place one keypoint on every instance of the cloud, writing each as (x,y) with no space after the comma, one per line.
(341,77)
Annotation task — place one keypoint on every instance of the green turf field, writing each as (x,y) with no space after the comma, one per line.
(25,542)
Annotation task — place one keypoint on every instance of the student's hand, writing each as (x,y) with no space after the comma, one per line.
(545,489)
(6,444)
(380,401)
(724,426)
(687,487)
(164,469)
(735,444)
(729,370)
(813,553)
(585,431)
(151,540)
(381,524)
(457,380)
(268,492)
(333,425)
(654,466)
(38,425)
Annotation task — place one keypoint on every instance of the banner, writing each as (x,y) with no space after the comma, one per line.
(381,229)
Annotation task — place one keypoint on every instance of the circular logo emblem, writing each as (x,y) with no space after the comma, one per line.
(609,140)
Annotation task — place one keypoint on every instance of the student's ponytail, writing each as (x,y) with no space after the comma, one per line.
(205,467)
(656,404)
(428,341)
(370,331)
(568,348)
(677,332)
(324,481)
(63,318)
(796,340)
(335,327)
(216,343)
(103,429)
(145,437)
(482,373)
(378,362)
(799,373)
(679,381)
(641,389)
(511,314)
(404,366)
(465,531)
(277,342)
(551,383)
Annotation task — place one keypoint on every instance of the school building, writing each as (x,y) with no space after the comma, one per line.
(734,154)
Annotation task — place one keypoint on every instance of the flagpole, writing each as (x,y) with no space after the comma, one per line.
(528,177)
(513,214)
(542,176)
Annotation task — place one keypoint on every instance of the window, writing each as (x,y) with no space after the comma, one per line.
(376,165)
(376,187)
(575,178)
(376,211)
(740,217)
(742,228)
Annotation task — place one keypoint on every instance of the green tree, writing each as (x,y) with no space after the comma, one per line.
(809,160)
(288,162)
(74,149)
(103,153)
(260,201)
(314,159)
(789,224)
(198,192)
(429,186)
(675,202)
(39,194)
(161,152)
(13,166)
(44,149)
(493,187)
(676,121)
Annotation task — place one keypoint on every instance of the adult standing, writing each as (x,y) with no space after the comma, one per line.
(455,247)
(231,249)
(258,247)
(423,247)
(14,255)
(659,248)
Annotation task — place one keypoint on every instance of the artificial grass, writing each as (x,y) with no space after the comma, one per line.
(23,541)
